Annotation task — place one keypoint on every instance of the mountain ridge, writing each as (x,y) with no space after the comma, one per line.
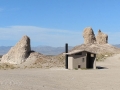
(46,50)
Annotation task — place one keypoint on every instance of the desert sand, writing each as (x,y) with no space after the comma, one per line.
(107,77)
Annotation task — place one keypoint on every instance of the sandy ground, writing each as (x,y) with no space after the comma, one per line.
(106,78)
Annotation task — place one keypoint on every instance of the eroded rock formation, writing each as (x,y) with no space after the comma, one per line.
(102,38)
(19,53)
(89,36)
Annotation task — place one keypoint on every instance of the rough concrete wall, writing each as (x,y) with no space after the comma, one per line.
(77,60)
(70,62)
(94,64)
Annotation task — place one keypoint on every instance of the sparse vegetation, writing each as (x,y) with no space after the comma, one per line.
(76,68)
(40,61)
(7,66)
(103,56)
(51,61)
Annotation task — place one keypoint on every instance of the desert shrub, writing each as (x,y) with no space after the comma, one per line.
(40,61)
(6,66)
(61,59)
(76,68)
(103,56)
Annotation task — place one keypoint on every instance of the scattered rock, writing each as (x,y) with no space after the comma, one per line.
(102,38)
(89,36)
(19,53)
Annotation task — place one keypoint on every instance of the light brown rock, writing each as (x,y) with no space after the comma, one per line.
(19,53)
(102,38)
(89,36)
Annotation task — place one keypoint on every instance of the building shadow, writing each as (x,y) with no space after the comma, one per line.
(99,67)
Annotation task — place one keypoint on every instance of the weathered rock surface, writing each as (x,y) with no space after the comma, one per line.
(102,38)
(89,36)
(19,53)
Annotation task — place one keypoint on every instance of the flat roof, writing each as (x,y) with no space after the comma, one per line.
(78,51)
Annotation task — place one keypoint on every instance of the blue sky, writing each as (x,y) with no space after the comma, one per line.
(55,22)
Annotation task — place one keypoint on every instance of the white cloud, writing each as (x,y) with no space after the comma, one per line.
(41,36)
(46,36)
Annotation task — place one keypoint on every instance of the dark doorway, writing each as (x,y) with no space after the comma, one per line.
(79,66)
(90,60)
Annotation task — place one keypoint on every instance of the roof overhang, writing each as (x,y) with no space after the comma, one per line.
(78,51)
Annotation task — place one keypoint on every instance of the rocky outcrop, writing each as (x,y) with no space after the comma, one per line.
(102,38)
(89,36)
(19,53)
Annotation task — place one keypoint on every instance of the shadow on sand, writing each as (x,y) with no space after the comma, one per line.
(99,67)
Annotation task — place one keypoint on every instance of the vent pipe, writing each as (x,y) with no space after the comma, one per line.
(66,56)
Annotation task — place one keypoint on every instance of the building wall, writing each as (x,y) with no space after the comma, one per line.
(94,65)
(75,60)
(78,60)
(70,62)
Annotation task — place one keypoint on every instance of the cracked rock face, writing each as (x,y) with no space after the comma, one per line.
(102,38)
(89,36)
(19,53)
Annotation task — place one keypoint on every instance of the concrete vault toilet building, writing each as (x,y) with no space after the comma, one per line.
(80,59)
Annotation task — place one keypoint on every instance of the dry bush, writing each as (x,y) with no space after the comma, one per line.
(102,56)
(40,61)
(6,66)
(49,61)
(60,59)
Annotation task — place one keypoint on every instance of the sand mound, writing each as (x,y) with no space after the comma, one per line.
(98,48)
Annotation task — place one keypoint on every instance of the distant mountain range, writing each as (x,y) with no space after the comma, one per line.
(46,50)
(4,49)
(117,45)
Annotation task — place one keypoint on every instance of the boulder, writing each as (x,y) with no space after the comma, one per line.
(19,53)
(89,36)
(101,38)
